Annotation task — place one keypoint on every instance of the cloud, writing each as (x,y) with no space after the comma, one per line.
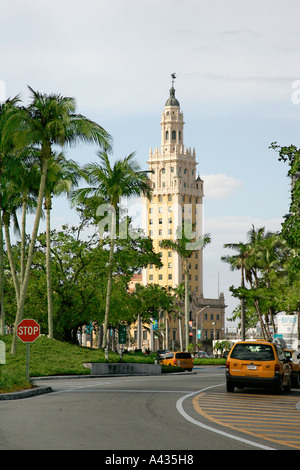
(220,186)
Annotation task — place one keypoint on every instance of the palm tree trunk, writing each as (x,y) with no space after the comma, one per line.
(139,332)
(180,332)
(257,306)
(23,238)
(243,329)
(25,281)
(10,257)
(186,303)
(48,267)
(110,275)
(167,330)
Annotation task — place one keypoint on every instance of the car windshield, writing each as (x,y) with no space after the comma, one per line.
(183,355)
(253,352)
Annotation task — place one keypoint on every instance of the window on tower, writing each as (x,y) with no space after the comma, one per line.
(173,135)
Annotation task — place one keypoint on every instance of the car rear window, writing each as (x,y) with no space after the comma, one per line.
(253,352)
(183,355)
(169,356)
(288,354)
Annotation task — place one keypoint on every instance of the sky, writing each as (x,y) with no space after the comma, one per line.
(237,64)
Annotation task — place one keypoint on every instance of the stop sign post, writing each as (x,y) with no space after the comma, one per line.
(28,330)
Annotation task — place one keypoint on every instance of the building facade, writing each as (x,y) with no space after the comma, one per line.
(176,202)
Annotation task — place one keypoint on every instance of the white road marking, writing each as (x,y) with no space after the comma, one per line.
(179,406)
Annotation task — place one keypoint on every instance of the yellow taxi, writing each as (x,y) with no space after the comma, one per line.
(294,358)
(258,364)
(178,358)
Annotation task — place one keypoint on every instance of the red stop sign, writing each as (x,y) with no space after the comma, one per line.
(28,330)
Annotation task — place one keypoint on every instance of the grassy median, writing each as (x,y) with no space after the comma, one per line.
(51,357)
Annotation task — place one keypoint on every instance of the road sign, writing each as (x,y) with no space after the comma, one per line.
(288,328)
(28,330)
(122,334)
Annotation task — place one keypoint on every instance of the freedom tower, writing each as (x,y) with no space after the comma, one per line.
(176,203)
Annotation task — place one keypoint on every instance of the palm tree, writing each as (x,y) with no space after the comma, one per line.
(11,201)
(123,179)
(239,261)
(8,124)
(25,173)
(268,252)
(62,175)
(51,120)
(184,247)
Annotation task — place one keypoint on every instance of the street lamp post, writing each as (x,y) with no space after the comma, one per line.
(197,313)
(214,324)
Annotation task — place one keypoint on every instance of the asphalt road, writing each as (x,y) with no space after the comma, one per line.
(128,413)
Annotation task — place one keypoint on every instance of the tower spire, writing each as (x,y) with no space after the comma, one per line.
(172,101)
(173,75)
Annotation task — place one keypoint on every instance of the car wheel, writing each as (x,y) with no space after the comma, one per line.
(297,380)
(279,387)
(229,387)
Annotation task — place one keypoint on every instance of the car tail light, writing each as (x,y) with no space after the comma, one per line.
(175,362)
(277,369)
(227,366)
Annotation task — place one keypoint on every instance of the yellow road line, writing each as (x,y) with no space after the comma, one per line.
(212,408)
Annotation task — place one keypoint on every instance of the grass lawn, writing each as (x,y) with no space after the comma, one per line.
(51,357)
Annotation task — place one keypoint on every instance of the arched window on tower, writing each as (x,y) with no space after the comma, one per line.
(167,135)
(173,135)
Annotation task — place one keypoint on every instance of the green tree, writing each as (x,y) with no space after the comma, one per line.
(78,274)
(239,262)
(62,175)
(50,120)
(291,227)
(111,182)
(185,244)
(152,300)
(262,263)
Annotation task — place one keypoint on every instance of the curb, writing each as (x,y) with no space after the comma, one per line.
(35,391)
(31,392)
